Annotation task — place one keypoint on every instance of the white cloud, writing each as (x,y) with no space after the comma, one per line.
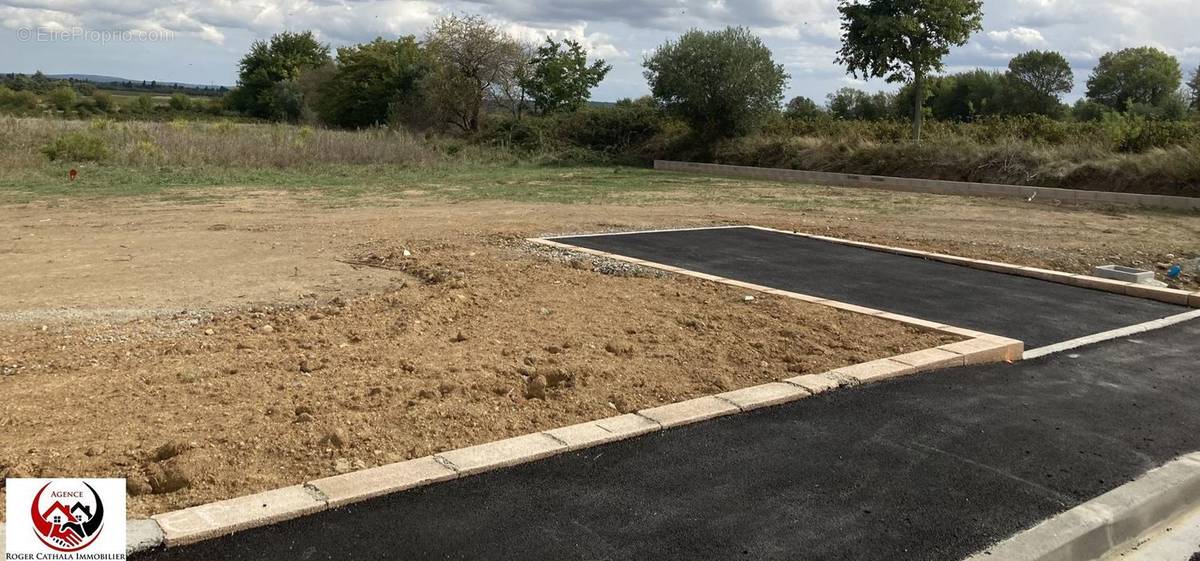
(1020,35)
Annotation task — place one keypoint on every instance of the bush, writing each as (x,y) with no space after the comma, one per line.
(611,130)
(104,101)
(23,100)
(76,147)
(142,104)
(62,98)
(180,102)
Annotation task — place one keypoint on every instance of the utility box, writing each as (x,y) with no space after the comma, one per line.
(1127,274)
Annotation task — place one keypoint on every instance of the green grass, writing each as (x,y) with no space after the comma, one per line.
(522,183)
(348,185)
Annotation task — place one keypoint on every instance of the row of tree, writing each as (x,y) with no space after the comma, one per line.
(1141,80)
(462,66)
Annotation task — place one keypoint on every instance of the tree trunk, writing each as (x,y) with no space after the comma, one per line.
(918,105)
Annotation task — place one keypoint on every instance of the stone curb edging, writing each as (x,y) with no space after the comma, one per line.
(1168,295)
(211,520)
(1111,521)
(934,186)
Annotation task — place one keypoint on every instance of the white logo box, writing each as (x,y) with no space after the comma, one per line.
(69,509)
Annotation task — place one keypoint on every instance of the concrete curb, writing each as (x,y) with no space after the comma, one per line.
(1111,521)
(933,186)
(1168,295)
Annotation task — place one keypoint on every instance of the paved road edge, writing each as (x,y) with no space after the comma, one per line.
(1108,522)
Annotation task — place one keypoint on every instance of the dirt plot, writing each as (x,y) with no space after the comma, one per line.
(212,350)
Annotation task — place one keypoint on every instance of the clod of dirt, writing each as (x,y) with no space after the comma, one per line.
(619,403)
(536,388)
(619,348)
(458,338)
(268,328)
(447,388)
(427,394)
(556,377)
(553,350)
(333,438)
(305,418)
(169,450)
(136,485)
(167,479)
(307,366)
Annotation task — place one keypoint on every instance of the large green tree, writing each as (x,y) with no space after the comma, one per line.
(559,77)
(471,60)
(904,40)
(723,83)
(267,74)
(373,82)
(1140,75)
(1040,78)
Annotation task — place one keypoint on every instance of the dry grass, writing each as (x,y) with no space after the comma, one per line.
(23,142)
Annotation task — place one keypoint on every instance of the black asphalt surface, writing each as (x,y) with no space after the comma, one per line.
(929,467)
(1037,312)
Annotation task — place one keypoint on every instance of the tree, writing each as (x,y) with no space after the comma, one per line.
(723,83)
(854,104)
(801,107)
(904,40)
(1138,75)
(262,73)
(559,77)
(1044,72)
(371,81)
(470,58)
(969,95)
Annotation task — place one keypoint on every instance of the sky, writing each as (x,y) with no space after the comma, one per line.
(200,41)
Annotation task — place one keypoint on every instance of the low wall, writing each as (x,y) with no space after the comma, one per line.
(1043,194)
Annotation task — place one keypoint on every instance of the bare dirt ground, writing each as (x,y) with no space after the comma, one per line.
(208,351)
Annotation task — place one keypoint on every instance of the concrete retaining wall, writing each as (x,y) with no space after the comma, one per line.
(932,185)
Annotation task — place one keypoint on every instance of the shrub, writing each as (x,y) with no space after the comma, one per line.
(180,102)
(142,104)
(76,147)
(104,101)
(62,98)
(611,130)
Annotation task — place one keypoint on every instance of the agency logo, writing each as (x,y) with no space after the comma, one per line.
(72,518)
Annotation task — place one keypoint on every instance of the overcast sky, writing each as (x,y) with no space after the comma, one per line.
(201,41)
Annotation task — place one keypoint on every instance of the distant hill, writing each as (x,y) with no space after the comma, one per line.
(100,79)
